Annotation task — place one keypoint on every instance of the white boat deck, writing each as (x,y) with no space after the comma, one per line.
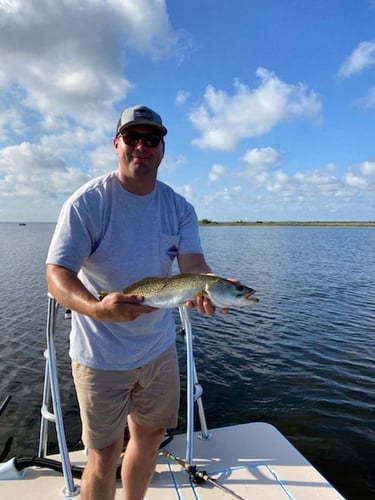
(253,460)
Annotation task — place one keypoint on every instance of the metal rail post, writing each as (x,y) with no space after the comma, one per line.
(194,390)
(51,392)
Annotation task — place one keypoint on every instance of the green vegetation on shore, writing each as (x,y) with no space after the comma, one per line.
(207,222)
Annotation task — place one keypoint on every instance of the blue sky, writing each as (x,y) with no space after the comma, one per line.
(270,104)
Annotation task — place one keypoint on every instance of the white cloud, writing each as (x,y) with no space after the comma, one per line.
(182,97)
(367,102)
(32,172)
(307,186)
(66,58)
(188,191)
(360,59)
(328,182)
(224,120)
(224,195)
(61,77)
(275,194)
(367,168)
(355,181)
(10,118)
(170,164)
(102,159)
(262,169)
(216,172)
(262,157)
(278,182)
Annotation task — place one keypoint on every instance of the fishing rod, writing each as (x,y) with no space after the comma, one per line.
(5,403)
(197,476)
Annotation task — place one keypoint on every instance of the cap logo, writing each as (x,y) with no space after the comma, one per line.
(142,113)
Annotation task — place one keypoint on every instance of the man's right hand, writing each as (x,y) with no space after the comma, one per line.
(118,307)
(69,291)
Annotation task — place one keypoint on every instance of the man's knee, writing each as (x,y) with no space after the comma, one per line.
(156,437)
(146,437)
(103,462)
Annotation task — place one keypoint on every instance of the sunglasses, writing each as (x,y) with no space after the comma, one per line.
(150,140)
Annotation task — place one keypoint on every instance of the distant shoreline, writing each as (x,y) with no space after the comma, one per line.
(209,223)
(290,223)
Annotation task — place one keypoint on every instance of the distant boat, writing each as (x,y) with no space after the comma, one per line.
(22,224)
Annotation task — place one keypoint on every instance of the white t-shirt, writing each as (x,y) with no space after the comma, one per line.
(114,238)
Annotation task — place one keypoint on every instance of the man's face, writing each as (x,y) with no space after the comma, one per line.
(140,150)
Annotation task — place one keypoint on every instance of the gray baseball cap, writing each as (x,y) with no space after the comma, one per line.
(140,115)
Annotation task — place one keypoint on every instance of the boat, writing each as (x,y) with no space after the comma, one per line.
(245,461)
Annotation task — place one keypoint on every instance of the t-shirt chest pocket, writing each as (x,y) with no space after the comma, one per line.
(169,248)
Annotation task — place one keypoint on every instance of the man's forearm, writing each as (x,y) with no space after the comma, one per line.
(69,291)
(193,263)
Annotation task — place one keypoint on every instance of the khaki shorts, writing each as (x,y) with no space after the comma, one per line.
(151,394)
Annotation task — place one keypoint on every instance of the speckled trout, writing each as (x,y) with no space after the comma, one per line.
(165,293)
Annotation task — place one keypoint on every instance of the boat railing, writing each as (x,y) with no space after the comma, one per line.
(51,396)
(194,390)
(51,410)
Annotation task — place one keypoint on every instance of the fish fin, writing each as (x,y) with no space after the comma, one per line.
(130,288)
(161,284)
(202,293)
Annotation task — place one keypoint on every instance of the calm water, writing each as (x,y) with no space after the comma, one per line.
(302,359)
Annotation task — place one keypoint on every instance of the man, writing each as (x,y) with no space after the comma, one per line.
(113,231)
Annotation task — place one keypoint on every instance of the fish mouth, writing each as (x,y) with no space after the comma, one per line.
(249,297)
